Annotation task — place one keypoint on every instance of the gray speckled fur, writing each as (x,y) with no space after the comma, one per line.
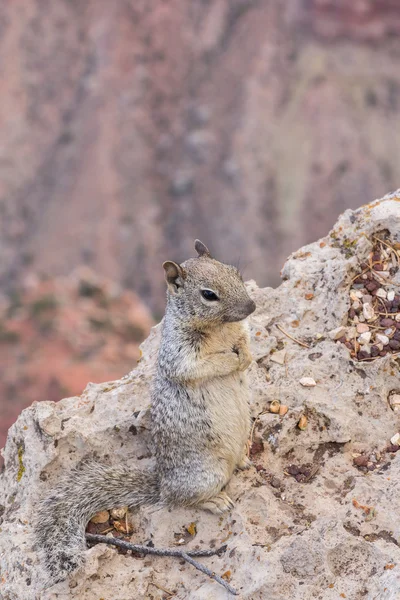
(200,417)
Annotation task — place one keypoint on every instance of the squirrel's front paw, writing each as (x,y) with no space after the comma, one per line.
(245,359)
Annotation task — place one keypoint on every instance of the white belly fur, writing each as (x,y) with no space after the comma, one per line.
(228,409)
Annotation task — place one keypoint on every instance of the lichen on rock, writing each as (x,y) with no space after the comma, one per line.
(21,468)
(317,516)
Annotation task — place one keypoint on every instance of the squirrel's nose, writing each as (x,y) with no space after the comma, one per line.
(250,307)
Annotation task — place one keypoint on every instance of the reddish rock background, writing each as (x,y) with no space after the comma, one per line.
(128,128)
(58,334)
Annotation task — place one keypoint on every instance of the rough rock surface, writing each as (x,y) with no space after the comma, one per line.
(311,520)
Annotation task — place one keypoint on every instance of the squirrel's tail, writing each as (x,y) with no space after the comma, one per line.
(59,530)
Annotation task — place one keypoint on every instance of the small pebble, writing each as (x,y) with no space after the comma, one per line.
(307,382)
(368,311)
(386,322)
(279,357)
(395,402)
(371,286)
(392,448)
(355,295)
(390,295)
(257,447)
(337,333)
(362,328)
(395,440)
(283,410)
(293,470)
(100,517)
(275,482)
(383,339)
(274,406)
(365,338)
(303,422)
(381,293)
(360,461)
(118,513)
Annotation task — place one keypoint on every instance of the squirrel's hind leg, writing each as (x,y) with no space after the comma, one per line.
(245,463)
(218,504)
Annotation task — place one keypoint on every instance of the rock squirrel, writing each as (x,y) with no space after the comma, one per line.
(199,414)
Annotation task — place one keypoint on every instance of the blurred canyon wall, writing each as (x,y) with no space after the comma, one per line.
(128,128)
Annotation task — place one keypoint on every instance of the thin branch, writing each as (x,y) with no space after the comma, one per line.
(384,306)
(159,587)
(388,246)
(291,337)
(207,571)
(187,556)
(388,354)
(102,539)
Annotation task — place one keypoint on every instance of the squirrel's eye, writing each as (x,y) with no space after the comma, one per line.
(209,295)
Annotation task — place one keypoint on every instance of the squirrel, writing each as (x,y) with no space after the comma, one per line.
(200,416)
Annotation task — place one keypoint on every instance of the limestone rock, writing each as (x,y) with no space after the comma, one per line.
(337,333)
(330,526)
(307,382)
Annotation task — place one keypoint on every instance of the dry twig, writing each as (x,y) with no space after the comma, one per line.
(388,246)
(291,337)
(187,556)
(159,587)
(372,358)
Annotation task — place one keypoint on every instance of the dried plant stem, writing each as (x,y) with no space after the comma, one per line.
(187,556)
(389,354)
(159,587)
(291,337)
(384,306)
(388,246)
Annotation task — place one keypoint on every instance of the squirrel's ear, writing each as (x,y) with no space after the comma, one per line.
(201,249)
(174,275)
